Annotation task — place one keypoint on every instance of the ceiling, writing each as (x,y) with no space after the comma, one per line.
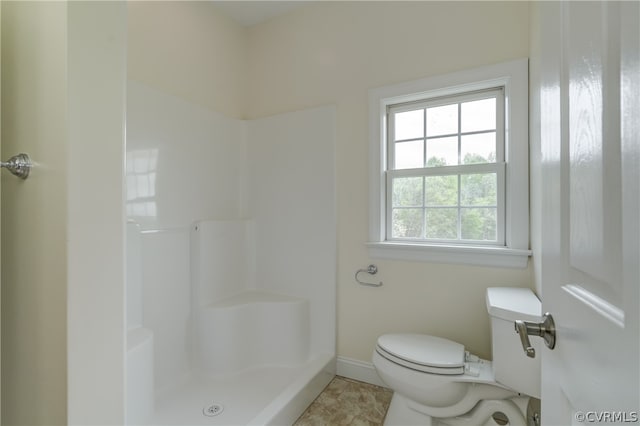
(248,13)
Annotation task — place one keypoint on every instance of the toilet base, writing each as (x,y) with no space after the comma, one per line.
(400,413)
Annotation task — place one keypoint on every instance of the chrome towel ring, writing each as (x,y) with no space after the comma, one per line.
(371,270)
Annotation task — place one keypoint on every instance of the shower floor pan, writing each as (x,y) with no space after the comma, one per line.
(258,396)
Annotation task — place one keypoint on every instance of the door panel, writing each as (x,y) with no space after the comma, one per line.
(590,209)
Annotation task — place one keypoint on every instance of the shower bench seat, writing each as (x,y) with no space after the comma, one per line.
(253,329)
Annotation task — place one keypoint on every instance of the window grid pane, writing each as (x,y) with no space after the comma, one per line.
(442,120)
(479,190)
(479,224)
(409,125)
(408,223)
(408,192)
(442,151)
(478,115)
(409,155)
(478,148)
(441,191)
(441,223)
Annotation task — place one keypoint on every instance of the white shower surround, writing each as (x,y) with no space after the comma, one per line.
(236,326)
(272,180)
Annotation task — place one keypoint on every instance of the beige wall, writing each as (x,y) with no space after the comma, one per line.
(333,53)
(34,259)
(188,49)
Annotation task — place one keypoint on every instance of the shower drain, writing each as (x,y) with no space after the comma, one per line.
(212,410)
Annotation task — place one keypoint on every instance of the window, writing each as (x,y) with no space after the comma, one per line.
(445,172)
(450,168)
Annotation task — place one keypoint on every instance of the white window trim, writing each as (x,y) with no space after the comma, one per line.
(513,76)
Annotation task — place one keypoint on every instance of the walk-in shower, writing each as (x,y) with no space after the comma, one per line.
(231,263)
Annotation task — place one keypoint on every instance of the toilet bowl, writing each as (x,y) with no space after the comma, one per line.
(435,381)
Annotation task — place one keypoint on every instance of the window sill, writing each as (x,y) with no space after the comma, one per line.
(467,255)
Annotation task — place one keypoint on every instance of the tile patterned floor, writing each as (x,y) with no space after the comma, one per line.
(347,402)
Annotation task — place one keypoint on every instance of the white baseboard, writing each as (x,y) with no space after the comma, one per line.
(358,370)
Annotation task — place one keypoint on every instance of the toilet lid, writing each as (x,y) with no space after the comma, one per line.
(424,353)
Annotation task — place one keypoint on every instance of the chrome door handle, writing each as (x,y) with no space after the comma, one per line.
(546,329)
(20,165)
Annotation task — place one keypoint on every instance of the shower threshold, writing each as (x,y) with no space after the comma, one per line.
(258,396)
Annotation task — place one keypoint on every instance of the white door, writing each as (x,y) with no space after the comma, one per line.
(590,121)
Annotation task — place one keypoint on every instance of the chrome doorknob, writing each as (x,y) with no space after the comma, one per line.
(19,165)
(546,329)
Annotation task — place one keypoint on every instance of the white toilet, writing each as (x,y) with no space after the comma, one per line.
(436,382)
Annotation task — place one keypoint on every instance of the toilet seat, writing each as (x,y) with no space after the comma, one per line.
(428,354)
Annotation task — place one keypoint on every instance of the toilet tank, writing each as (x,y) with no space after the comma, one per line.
(511,366)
